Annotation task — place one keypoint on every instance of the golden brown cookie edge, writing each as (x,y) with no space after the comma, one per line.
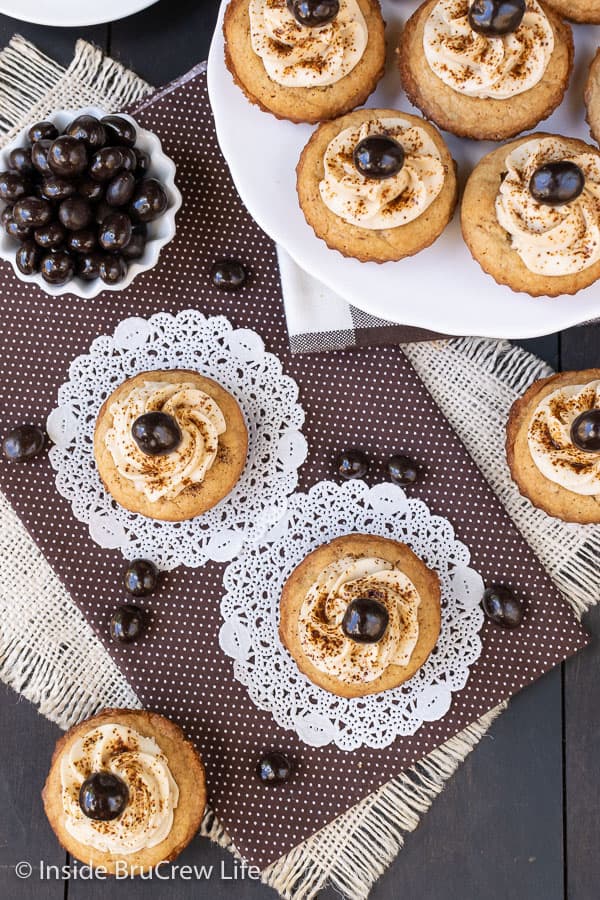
(221,478)
(310,166)
(553,499)
(375,44)
(189,775)
(478,222)
(482,109)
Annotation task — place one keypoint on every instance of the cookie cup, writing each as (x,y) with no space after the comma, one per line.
(581,11)
(554,499)
(475,117)
(302,104)
(186,768)
(196,498)
(365,244)
(361,545)
(490,244)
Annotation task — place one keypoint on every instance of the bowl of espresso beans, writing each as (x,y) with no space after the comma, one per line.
(87,202)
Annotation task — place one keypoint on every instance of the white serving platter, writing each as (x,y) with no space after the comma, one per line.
(442,288)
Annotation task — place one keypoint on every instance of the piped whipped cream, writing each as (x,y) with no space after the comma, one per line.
(200,421)
(550,444)
(387,202)
(476,65)
(320,620)
(551,240)
(296,55)
(139,762)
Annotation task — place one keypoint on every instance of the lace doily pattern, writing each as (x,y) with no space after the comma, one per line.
(236,358)
(250,609)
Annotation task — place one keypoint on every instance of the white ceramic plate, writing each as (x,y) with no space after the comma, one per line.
(442,288)
(71,13)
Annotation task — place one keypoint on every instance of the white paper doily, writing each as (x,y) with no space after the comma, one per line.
(237,360)
(250,608)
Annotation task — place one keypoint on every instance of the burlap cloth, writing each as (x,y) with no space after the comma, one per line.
(49,653)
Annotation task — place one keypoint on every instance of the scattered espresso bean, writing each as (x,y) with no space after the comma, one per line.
(127,623)
(352,463)
(502,606)
(228,275)
(274,767)
(402,470)
(141,577)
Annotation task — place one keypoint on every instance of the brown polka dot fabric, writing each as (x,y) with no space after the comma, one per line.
(366,397)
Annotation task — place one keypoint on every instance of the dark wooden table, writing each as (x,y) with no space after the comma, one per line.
(519,821)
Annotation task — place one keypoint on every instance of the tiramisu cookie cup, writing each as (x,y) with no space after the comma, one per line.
(483,70)
(530,215)
(170,444)
(578,10)
(553,445)
(126,790)
(592,98)
(360,615)
(377,184)
(305,60)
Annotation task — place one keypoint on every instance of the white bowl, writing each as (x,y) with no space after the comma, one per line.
(160,232)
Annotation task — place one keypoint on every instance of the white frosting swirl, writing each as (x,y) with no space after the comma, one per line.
(551,240)
(320,620)
(296,55)
(139,762)
(550,444)
(487,67)
(200,421)
(388,202)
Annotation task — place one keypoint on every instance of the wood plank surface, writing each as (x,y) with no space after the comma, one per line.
(580,349)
